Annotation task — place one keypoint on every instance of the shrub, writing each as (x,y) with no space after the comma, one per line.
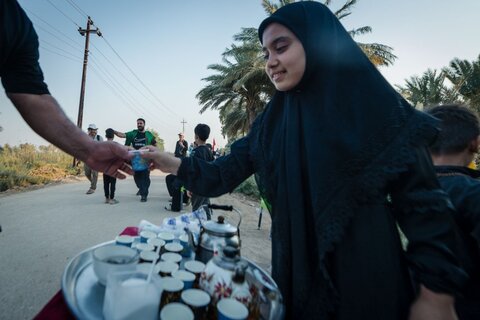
(25,165)
(249,188)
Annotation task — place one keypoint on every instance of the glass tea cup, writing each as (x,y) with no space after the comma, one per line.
(129,296)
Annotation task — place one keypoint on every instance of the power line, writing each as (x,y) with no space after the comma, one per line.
(58,48)
(63,13)
(55,36)
(76,7)
(126,78)
(59,54)
(128,94)
(53,27)
(139,80)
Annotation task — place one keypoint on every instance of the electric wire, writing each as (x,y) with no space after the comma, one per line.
(53,27)
(58,48)
(55,36)
(130,96)
(126,78)
(139,80)
(63,13)
(59,54)
(76,7)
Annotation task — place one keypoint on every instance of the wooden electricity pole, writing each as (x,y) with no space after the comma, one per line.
(84,32)
(183,125)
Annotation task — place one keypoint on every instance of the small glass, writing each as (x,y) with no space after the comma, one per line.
(128,295)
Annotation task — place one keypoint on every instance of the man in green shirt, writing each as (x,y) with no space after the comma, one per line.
(137,139)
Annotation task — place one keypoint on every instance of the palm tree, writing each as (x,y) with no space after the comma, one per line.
(428,89)
(240,88)
(465,77)
(379,54)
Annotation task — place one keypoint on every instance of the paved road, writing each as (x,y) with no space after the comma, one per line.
(43,229)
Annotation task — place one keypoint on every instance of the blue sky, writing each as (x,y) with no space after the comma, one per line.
(169,44)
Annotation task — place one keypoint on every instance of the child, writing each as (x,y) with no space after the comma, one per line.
(343,161)
(452,152)
(109,182)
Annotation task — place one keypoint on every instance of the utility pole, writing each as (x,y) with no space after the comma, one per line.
(84,32)
(183,125)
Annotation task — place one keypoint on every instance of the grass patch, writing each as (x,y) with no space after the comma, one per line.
(26,165)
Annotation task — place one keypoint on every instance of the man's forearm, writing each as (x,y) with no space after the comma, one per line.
(119,134)
(44,115)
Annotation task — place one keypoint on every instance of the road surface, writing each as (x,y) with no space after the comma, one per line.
(44,228)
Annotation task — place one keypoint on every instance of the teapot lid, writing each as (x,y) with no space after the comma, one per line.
(220,227)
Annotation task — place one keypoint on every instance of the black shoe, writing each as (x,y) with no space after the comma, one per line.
(138,193)
(144,199)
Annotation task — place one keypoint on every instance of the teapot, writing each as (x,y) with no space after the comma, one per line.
(214,235)
(225,277)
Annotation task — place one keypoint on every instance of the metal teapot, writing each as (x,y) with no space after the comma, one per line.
(214,235)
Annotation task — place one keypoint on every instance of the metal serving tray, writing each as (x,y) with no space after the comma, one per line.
(84,295)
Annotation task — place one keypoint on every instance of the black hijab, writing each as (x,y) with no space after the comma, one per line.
(323,148)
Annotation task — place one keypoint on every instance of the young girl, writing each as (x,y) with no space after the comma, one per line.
(337,252)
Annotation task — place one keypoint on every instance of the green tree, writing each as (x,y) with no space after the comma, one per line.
(428,89)
(160,142)
(379,54)
(239,88)
(465,77)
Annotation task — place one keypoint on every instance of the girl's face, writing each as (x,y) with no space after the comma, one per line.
(285,57)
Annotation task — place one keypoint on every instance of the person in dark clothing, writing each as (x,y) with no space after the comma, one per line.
(204,152)
(336,209)
(23,81)
(454,149)
(173,184)
(181,147)
(137,139)
(109,183)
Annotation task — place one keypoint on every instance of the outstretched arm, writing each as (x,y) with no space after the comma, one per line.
(46,117)
(119,134)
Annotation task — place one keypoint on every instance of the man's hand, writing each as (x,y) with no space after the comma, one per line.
(430,305)
(109,157)
(161,160)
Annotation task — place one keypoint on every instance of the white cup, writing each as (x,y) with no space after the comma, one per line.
(124,240)
(144,247)
(166,268)
(145,235)
(170,256)
(176,311)
(166,236)
(187,277)
(174,247)
(156,242)
(231,309)
(198,300)
(148,256)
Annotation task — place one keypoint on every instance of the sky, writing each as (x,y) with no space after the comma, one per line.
(154,54)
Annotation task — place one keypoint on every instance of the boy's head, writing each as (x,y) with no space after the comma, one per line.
(459,130)
(109,133)
(202,131)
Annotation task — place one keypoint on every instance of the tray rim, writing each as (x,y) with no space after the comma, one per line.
(68,289)
(68,295)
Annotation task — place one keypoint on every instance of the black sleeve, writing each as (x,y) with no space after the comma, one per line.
(212,179)
(19,69)
(424,213)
